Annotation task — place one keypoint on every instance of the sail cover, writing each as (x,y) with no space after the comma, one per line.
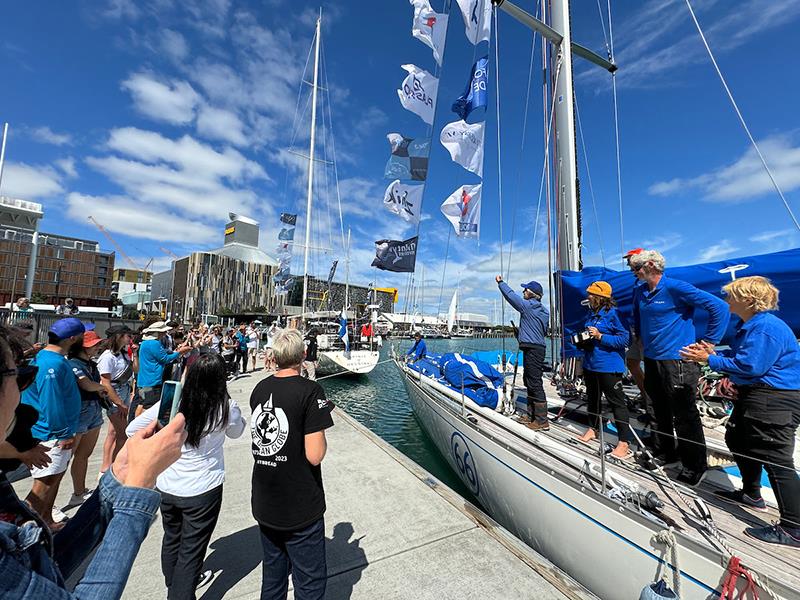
(782,268)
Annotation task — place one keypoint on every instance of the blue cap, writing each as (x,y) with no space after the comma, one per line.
(66,328)
(535,287)
(89,326)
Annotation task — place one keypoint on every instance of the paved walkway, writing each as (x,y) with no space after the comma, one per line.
(393,531)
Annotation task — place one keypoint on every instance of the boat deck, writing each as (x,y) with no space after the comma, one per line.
(777,563)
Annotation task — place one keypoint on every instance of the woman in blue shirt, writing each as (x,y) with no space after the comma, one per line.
(604,364)
(764,363)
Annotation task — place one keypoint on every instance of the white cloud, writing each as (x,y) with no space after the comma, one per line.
(120,9)
(46,135)
(174,44)
(220,124)
(120,214)
(67,166)
(776,240)
(663,243)
(30,182)
(745,179)
(723,249)
(169,101)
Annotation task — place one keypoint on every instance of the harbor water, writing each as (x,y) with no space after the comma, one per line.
(379,401)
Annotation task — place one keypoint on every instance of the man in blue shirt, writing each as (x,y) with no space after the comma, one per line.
(663,317)
(419,349)
(241,351)
(153,359)
(533,321)
(56,397)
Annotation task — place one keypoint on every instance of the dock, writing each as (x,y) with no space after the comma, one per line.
(393,530)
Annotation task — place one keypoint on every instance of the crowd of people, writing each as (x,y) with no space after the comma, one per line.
(52,402)
(763,361)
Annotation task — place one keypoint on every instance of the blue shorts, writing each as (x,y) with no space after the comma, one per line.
(91,416)
(124,392)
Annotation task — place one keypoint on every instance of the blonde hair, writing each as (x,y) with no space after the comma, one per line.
(649,256)
(756,292)
(288,348)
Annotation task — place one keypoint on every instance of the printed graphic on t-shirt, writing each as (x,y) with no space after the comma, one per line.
(270,430)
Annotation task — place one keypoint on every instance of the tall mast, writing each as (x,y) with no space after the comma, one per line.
(311,160)
(565,159)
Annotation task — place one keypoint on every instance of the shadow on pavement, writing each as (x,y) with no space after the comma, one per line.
(233,557)
(341,550)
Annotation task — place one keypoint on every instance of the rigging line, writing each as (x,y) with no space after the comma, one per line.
(327,131)
(522,148)
(497,106)
(589,177)
(444,270)
(741,117)
(603,25)
(611,57)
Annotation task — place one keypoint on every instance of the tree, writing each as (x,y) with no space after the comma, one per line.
(37,298)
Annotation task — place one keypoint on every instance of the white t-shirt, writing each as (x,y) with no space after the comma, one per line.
(200,469)
(253,339)
(112,364)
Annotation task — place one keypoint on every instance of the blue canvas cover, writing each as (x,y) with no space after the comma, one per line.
(483,384)
(782,268)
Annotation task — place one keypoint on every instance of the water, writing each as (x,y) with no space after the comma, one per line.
(379,401)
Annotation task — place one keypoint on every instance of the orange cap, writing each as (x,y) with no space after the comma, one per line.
(90,338)
(633,252)
(599,288)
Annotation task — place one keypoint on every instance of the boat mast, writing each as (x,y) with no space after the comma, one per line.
(311,161)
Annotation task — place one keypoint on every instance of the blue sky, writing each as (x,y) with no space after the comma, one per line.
(159,117)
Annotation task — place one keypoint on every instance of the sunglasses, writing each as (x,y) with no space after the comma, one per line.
(24,372)
(637,269)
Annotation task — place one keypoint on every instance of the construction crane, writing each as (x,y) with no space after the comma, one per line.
(114,243)
(169,252)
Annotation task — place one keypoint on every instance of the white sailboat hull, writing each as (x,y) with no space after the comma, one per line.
(605,546)
(356,362)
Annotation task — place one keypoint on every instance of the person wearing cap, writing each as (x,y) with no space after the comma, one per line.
(68,308)
(93,394)
(153,358)
(533,321)
(634,356)
(116,370)
(419,350)
(55,395)
(663,317)
(604,364)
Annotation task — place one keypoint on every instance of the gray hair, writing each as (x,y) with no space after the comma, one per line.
(288,348)
(649,256)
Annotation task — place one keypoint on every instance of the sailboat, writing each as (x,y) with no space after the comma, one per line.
(611,525)
(336,353)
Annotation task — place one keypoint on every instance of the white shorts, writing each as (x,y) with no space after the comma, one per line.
(59,460)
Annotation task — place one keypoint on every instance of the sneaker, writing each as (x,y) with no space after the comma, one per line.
(522,419)
(537,426)
(78,499)
(58,516)
(690,477)
(205,579)
(739,497)
(775,534)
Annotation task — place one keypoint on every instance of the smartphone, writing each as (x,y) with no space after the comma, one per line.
(170,401)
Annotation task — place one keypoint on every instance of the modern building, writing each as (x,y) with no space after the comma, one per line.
(322,298)
(235,278)
(64,266)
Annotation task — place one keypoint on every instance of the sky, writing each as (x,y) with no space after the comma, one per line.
(159,117)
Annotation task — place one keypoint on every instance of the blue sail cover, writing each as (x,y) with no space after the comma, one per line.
(782,268)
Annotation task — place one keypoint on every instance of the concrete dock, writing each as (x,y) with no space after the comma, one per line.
(393,531)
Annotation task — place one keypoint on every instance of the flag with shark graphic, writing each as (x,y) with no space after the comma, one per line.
(396,255)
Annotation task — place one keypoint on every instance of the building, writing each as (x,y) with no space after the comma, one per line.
(235,278)
(64,266)
(321,298)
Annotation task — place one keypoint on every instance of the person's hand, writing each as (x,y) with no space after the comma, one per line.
(499,279)
(708,346)
(594,332)
(184,348)
(695,352)
(36,457)
(67,444)
(123,410)
(147,454)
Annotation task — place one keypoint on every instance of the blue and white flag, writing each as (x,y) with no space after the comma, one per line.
(409,159)
(477,19)
(475,95)
(418,92)
(429,27)
(343,330)
(463,210)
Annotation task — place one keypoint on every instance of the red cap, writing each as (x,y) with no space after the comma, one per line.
(633,252)
(90,338)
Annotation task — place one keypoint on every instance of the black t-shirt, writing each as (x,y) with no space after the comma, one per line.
(287,489)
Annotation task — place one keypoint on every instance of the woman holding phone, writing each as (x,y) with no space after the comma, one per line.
(191,489)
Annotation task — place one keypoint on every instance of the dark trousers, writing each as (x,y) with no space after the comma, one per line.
(188,525)
(760,434)
(610,385)
(300,552)
(144,398)
(533,364)
(672,386)
(241,355)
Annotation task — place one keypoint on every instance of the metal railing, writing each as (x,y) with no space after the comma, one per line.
(42,321)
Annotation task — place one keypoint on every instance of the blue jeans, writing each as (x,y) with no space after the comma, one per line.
(300,552)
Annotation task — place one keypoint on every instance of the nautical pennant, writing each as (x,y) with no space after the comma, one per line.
(404,199)
(463,210)
(477,19)
(418,92)
(343,330)
(475,94)
(396,255)
(429,27)
(282,279)
(464,142)
(409,159)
